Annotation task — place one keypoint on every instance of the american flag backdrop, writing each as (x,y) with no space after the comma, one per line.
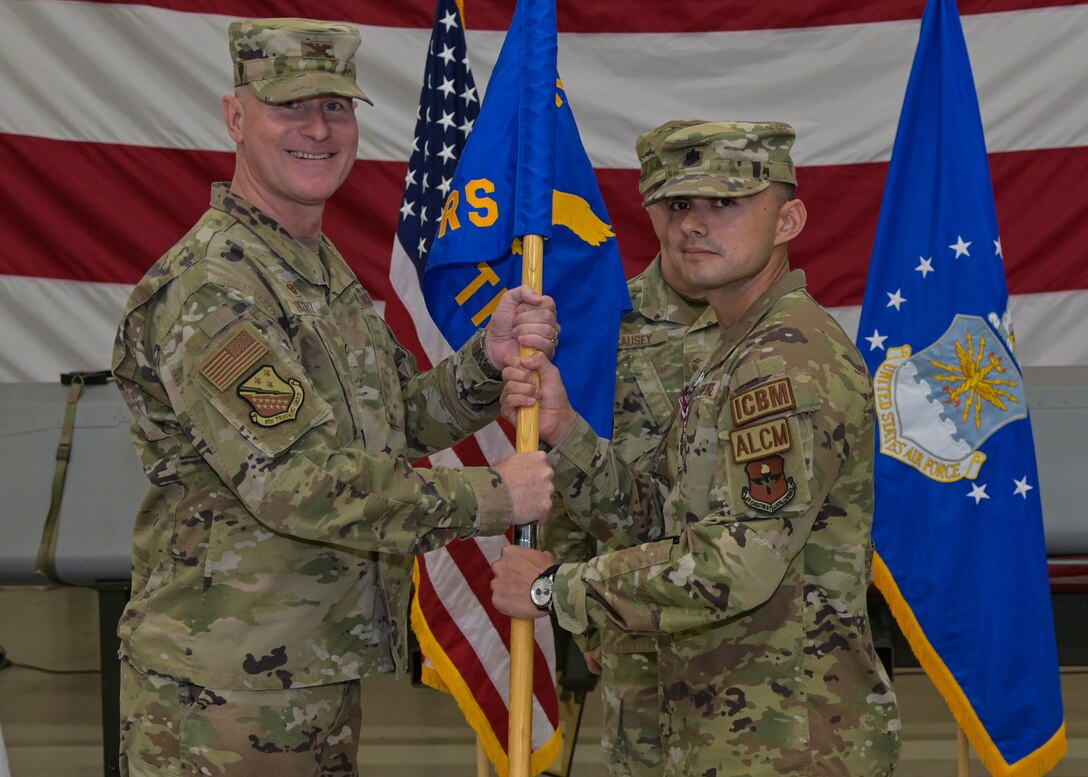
(111,131)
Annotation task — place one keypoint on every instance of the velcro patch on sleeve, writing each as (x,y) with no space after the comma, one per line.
(756,442)
(775,396)
(273,398)
(233,358)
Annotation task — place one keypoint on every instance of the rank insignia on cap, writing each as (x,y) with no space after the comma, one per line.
(766,399)
(318,48)
(273,399)
(769,487)
(232,359)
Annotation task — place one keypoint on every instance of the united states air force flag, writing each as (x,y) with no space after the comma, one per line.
(958,531)
(524,172)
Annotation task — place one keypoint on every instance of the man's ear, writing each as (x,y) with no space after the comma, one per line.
(792,216)
(233,113)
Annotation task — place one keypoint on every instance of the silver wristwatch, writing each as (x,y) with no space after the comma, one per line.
(540,592)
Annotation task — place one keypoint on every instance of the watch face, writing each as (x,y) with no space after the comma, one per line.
(541,592)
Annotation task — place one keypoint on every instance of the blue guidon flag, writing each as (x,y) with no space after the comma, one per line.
(524,172)
(958,530)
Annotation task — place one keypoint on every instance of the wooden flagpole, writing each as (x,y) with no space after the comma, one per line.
(963,754)
(522,637)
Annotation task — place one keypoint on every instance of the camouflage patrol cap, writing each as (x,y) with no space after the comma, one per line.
(652,172)
(282,60)
(725,159)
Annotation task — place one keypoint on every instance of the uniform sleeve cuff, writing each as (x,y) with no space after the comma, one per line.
(579,447)
(493,503)
(487,370)
(569,598)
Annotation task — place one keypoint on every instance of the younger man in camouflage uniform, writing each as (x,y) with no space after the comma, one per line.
(663,342)
(766,659)
(277,419)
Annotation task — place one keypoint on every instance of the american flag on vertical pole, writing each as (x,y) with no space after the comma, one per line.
(463,638)
(958,530)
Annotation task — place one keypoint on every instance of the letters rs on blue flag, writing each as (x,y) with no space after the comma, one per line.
(524,172)
(958,530)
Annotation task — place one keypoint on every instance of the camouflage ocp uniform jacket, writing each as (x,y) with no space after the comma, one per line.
(766,658)
(276,418)
(663,341)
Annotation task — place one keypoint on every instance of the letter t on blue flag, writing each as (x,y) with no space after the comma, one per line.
(524,172)
(958,530)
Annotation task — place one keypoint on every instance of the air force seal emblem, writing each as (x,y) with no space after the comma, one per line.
(937,407)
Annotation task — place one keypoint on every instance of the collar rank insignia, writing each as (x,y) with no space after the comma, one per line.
(273,399)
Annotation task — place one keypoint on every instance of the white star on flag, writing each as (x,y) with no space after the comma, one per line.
(925,266)
(978,492)
(876,340)
(960,247)
(1022,487)
(896,299)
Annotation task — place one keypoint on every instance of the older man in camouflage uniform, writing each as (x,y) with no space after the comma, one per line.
(663,342)
(766,659)
(277,419)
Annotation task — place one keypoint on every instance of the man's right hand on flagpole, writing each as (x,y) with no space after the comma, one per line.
(523,317)
(557,417)
(529,478)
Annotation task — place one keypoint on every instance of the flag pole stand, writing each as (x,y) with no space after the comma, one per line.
(963,755)
(522,637)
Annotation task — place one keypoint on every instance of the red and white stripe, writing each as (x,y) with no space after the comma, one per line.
(111,132)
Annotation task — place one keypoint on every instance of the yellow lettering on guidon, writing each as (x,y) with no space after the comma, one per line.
(486,276)
(764,400)
(486,211)
(490,208)
(755,442)
(449,213)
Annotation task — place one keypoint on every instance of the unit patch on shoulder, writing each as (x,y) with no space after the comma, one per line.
(232,359)
(766,399)
(756,442)
(769,487)
(273,399)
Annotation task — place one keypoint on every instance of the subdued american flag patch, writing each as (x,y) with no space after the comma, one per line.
(228,363)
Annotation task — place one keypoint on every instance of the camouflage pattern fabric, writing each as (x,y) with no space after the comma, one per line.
(765,654)
(283,60)
(184,729)
(663,342)
(652,172)
(631,736)
(725,159)
(277,418)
